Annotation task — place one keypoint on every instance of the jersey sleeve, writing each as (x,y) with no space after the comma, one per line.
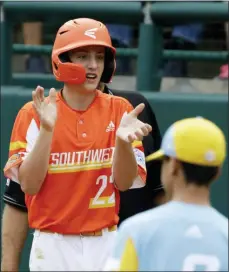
(138,149)
(23,137)
(14,196)
(140,158)
(124,255)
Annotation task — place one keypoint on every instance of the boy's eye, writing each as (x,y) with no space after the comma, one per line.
(82,56)
(100,57)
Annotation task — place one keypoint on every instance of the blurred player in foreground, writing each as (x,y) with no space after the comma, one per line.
(73,151)
(187,233)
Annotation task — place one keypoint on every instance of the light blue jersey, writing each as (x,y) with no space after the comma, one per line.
(173,237)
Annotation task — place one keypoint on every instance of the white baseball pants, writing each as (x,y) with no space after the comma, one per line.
(57,252)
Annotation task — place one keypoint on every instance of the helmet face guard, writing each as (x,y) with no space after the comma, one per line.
(75,34)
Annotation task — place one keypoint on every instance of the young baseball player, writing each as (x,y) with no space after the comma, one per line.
(15,215)
(73,151)
(187,233)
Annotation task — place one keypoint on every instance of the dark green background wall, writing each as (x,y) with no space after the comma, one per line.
(168,108)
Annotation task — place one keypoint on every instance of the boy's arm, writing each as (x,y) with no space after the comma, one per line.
(14,233)
(125,163)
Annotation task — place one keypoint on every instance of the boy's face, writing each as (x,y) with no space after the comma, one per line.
(92,59)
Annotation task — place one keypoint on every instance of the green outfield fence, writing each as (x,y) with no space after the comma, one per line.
(151,19)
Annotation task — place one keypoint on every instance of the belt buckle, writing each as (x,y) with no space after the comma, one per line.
(87,234)
(97,233)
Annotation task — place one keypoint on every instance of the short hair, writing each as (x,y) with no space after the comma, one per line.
(197,174)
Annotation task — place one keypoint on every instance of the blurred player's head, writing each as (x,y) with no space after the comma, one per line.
(83,54)
(193,151)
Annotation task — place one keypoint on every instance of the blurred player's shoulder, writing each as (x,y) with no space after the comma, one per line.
(221,222)
(174,213)
(147,219)
(163,238)
(162,211)
(199,213)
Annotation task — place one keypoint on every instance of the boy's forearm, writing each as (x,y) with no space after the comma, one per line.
(125,168)
(34,168)
(14,233)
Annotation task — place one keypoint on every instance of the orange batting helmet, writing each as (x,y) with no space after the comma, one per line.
(78,33)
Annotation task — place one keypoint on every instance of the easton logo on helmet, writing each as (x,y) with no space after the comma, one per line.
(91,33)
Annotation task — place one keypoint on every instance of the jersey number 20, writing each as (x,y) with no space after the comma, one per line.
(102,201)
(210,262)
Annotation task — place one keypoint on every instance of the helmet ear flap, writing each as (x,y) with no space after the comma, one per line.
(66,71)
(109,66)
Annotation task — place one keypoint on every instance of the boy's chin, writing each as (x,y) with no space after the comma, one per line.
(89,87)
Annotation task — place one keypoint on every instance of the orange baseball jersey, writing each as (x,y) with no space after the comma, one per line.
(78,194)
